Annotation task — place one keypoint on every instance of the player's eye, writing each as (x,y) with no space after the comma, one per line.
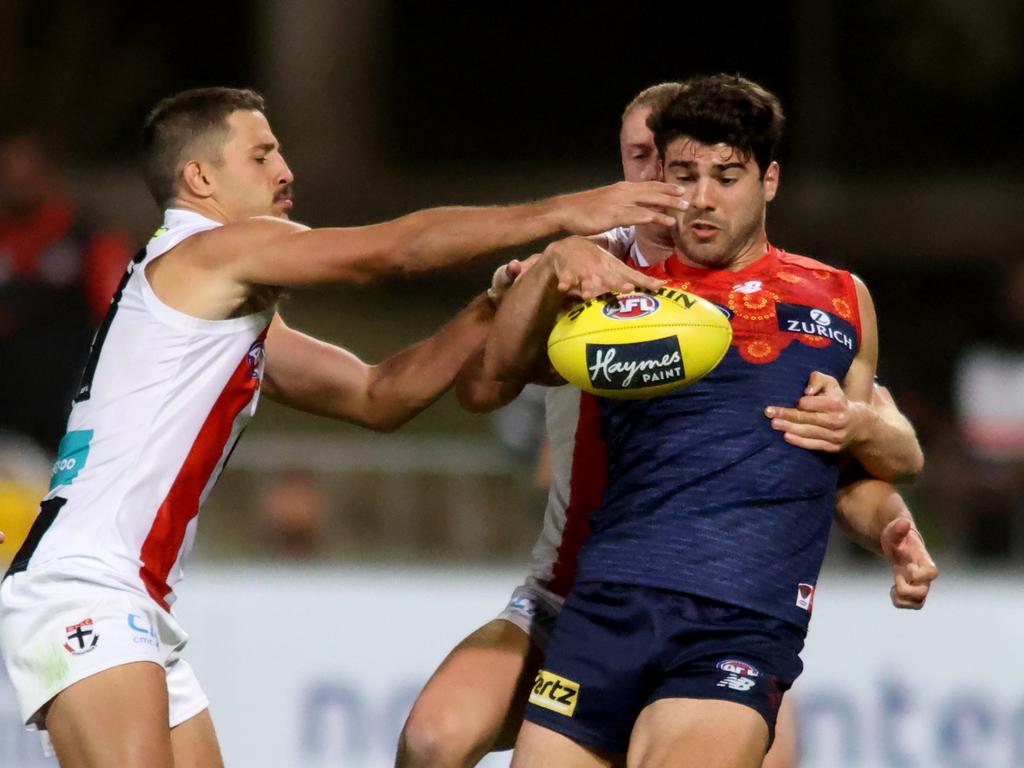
(728,180)
(261,160)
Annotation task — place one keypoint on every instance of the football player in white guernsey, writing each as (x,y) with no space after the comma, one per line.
(175,372)
(474,702)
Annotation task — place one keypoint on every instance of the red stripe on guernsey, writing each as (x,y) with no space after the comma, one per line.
(586,490)
(162,544)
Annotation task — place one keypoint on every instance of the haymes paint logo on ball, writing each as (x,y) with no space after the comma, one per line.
(637,365)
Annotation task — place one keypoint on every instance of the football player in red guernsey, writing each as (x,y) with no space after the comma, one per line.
(693,591)
(474,701)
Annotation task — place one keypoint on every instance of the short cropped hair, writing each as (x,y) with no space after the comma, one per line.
(727,109)
(657,97)
(177,123)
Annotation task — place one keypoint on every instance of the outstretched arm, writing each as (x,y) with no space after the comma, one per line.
(323,379)
(270,251)
(873,514)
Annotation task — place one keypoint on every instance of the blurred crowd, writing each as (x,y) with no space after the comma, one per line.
(59,268)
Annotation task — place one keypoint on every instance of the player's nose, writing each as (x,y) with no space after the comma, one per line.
(702,195)
(286,176)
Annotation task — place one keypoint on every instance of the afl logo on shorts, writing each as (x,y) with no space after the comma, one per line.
(81,638)
(736,667)
(631,306)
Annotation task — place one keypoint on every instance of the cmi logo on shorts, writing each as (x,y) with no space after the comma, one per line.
(81,638)
(555,693)
(144,633)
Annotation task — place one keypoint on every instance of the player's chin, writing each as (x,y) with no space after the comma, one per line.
(707,256)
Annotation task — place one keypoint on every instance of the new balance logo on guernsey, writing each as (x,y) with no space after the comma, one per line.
(741,677)
(81,638)
(555,693)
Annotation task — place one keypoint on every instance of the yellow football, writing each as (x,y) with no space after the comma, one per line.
(636,345)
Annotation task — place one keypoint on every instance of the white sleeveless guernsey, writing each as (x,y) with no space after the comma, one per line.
(572,424)
(164,398)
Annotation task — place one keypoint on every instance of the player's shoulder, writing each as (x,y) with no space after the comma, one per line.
(798,261)
(236,239)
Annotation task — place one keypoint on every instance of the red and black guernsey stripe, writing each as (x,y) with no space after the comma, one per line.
(167,534)
(586,488)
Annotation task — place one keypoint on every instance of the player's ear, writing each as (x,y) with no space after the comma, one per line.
(196,180)
(771,181)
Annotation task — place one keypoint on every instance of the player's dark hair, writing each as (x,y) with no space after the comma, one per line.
(175,125)
(726,109)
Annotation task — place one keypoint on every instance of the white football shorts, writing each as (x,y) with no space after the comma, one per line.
(533,609)
(57,629)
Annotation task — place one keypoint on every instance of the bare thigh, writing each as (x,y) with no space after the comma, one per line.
(698,733)
(194,743)
(540,747)
(114,718)
(784,748)
(475,700)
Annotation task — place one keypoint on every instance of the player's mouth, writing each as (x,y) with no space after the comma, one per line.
(704,229)
(285,198)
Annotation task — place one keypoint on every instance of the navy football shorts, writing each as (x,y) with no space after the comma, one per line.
(617,647)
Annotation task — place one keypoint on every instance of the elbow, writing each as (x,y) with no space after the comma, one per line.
(406,249)
(386,425)
(916,464)
(499,365)
(470,401)
(384,418)
(481,398)
(907,470)
(379,266)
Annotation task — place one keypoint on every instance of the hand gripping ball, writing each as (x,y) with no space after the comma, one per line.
(637,345)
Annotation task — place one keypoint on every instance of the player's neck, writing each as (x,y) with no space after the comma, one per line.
(208,208)
(654,250)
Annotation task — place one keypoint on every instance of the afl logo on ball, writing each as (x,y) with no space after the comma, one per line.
(631,306)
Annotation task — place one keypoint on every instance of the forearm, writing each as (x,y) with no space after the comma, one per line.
(864,509)
(405,383)
(517,344)
(887,447)
(323,379)
(449,236)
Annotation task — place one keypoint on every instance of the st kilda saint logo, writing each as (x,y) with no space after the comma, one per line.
(81,638)
(255,358)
